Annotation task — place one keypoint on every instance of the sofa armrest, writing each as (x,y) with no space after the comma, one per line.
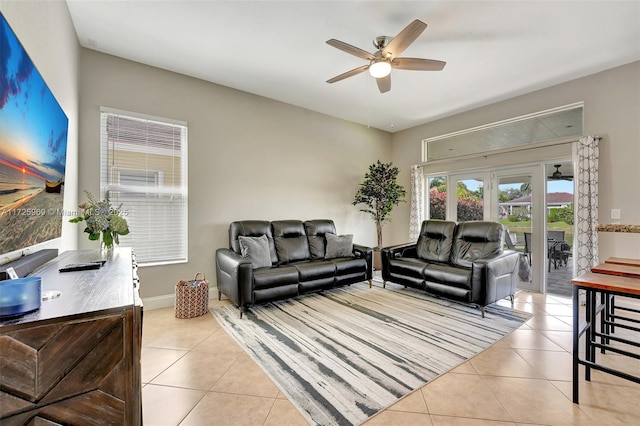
(367,254)
(496,277)
(234,275)
(392,252)
(401,250)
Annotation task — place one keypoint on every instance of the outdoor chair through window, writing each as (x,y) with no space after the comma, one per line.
(558,249)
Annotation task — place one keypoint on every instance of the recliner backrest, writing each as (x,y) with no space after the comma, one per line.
(316,230)
(290,240)
(476,240)
(435,240)
(251,228)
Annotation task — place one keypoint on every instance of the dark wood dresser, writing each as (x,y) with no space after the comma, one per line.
(76,360)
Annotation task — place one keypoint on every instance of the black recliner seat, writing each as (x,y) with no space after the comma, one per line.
(463,261)
(299,262)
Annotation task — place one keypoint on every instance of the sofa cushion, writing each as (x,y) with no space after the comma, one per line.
(476,240)
(251,228)
(339,246)
(290,241)
(447,274)
(315,270)
(345,265)
(409,266)
(316,230)
(256,250)
(275,277)
(435,240)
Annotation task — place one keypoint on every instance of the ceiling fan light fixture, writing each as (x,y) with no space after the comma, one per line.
(380,69)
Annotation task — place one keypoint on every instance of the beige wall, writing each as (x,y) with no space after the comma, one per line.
(45,30)
(611,110)
(249,157)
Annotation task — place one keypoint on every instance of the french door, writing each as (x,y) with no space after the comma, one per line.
(512,196)
(518,202)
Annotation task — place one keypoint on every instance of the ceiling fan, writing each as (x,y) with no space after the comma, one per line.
(557,175)
(386,57)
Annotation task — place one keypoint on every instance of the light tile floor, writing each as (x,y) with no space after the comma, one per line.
(193,373)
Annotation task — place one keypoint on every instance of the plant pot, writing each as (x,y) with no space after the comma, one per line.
(377,260)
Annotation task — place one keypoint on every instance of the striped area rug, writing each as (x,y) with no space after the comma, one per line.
(343,355)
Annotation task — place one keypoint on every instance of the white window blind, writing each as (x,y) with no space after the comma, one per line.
(144,167)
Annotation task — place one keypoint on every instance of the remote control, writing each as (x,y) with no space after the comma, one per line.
(79,267)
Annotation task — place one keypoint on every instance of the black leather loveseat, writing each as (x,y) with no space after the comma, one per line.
(300,257)
(463,261)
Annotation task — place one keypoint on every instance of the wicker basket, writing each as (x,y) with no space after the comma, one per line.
(192,297)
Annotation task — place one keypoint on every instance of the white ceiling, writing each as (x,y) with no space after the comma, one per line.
(494,49)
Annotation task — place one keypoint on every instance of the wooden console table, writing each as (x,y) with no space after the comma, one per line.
(606,280)
(76,360)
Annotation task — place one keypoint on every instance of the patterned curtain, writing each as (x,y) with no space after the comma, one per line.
(586,239)
(417,203)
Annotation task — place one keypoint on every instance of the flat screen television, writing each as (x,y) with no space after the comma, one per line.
(33,149)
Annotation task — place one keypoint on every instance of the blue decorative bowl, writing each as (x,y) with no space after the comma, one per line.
(20,296)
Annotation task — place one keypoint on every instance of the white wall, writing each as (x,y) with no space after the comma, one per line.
(611,110)
(45,30)
(249,157)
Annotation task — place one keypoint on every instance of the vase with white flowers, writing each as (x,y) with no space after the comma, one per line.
(103,221)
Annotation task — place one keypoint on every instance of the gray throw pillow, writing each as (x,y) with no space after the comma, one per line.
(256,250)
(339,246)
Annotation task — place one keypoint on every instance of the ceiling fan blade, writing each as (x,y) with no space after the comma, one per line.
(384,83)
(560,177)
(418,64)
(355,51)
(404,38)
(347,74)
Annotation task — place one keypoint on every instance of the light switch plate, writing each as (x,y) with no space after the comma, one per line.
(615,213)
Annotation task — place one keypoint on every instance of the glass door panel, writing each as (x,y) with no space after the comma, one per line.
(559,227)
(468,203)
(514,211)
(437,197)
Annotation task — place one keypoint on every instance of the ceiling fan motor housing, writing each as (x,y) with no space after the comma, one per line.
(380,42)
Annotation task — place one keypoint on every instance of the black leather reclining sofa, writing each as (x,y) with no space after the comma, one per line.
(464,261)
(299,261)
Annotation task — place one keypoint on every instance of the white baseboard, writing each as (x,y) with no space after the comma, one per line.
(158,302)
(168,300)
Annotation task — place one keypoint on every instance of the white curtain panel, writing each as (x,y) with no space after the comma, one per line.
(417,203)
(586,239)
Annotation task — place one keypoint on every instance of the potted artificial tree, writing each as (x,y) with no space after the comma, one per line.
(380,193)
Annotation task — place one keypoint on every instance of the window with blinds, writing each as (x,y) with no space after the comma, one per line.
(144,167)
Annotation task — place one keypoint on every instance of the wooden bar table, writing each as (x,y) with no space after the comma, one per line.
(606,285)
(622,270)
